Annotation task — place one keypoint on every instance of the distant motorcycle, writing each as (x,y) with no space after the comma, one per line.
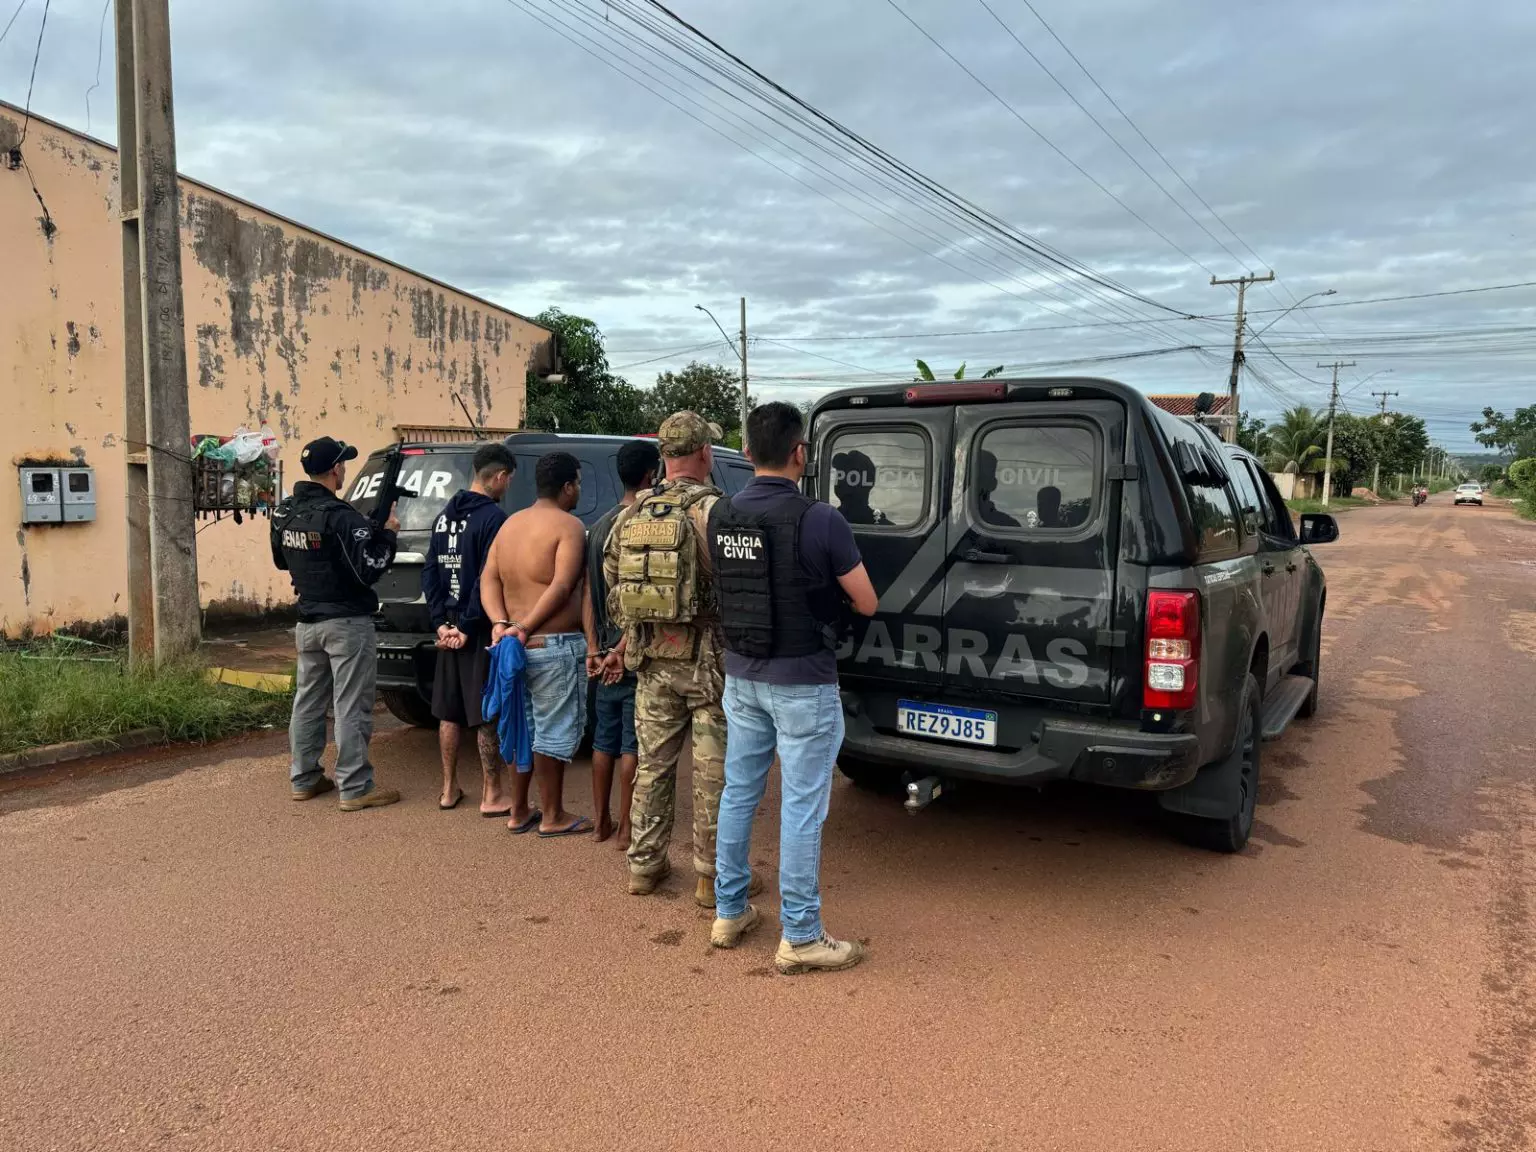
(1419,496)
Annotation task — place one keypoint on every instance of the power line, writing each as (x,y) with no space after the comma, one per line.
(12,20)
(1020,117)
(1099,124)
(668,356)
(101,33)
(37,53)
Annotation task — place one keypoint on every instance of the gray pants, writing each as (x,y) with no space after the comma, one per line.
(336,661)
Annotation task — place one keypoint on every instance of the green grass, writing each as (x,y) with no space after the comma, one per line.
(54,693)
(1335,504)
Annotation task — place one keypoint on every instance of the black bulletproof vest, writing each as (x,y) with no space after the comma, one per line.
(769,606)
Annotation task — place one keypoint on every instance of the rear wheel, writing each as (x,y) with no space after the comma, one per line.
(407,704)
(1231,834)
(1313,667)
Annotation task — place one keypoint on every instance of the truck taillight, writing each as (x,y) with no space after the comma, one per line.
(1173,650)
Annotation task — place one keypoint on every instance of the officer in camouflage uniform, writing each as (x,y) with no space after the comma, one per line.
(657,566)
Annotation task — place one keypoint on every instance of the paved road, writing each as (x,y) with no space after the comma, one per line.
(188,960)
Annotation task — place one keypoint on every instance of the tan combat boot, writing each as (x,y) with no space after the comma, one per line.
(824,955)
(378,798)
(728,933)
(325,784)
(704,890)
(644,885)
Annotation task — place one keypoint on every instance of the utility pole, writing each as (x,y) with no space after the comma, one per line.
(1242,283)
(1333,405)
(164,613)
(744,401)
(1376,478)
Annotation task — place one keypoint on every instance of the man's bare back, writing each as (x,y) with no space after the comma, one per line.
(536,570)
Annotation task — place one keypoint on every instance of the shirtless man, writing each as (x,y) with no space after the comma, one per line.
(531,589)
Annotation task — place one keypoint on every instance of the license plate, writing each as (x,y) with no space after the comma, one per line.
(944,722)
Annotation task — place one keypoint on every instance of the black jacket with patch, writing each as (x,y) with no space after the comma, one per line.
(334,553)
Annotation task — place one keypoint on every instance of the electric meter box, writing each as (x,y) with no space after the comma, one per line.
(78,487)
(58,495)
(42,502)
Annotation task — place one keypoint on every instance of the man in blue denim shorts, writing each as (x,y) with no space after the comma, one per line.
(531,590)
(614,737)
(786,569)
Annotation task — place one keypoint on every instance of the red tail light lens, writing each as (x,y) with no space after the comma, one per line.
(413,451)
(956,393)
(1171,672)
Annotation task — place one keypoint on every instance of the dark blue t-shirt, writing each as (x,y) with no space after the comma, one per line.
(827,551)
(461,541)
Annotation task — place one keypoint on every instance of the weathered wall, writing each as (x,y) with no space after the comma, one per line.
(284,326)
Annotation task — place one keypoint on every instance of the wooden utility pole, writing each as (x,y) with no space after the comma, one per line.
(1333,406)
(1376,476)
(744,401)
(1242,283)
(164,614)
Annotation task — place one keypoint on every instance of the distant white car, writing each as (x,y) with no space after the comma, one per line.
(1470,494)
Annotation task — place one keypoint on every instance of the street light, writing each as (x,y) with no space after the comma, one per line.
(1292,308)
(723,332)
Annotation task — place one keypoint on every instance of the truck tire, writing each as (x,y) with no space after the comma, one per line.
(406,704)
(1231,834)
(869,776)
(1312,666)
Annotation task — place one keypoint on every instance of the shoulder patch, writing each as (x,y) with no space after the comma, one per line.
(361,533)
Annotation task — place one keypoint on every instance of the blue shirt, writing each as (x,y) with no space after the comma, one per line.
(505,700)
(827,551)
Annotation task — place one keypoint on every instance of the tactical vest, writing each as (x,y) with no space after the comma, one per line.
(659,581)
(769,604)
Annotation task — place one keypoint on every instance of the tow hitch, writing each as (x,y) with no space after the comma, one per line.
(922,792)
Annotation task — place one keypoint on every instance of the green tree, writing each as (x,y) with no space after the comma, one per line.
(1355,449)
(926,373)
(591,399)
(1402,441)
(1251,434)
(1490,474)
(711,390)
(1513,436)
(1296,441)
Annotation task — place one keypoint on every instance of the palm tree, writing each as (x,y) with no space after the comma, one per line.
(1296,441)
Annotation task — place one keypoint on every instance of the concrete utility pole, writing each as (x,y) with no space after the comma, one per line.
(1333,405)
(1376,477)
(1242,283)
(164,613)
(744,401)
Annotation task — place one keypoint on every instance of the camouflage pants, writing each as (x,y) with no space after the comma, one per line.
(669,699)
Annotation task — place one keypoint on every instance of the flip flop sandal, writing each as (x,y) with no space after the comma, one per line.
(529,824)
(441,807)
(502,815)
(575,828)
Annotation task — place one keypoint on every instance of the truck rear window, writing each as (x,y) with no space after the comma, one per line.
(880,477)
(432,477)
(1036,476)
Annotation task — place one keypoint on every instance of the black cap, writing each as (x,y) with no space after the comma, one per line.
(320,456)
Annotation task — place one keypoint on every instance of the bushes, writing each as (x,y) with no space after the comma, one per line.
(1522,477)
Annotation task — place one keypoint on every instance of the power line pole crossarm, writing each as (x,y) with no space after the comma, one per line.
(1242,283)
(1333,407)
(163,604)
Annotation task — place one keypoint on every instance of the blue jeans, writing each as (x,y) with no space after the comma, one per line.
(805,723)
(557,694)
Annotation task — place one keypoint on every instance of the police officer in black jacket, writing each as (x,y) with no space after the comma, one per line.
(335,555)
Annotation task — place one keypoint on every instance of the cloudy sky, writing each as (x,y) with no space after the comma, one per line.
(1375,147)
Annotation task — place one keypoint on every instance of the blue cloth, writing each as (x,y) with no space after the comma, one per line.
(804,722)
(827,551)
(461,540)
(505,700)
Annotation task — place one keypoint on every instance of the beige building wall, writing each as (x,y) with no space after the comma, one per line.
(284,326)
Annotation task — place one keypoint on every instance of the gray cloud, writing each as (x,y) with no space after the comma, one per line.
(1375,148)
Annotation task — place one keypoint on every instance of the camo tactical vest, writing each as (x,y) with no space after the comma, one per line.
(659,580)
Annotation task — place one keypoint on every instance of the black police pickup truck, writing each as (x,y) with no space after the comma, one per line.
(1073,585)
(434,472)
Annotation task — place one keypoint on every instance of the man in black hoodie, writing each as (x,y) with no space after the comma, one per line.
(450,581)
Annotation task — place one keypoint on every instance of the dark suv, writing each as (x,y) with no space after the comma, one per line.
(1073,585)
(407,656)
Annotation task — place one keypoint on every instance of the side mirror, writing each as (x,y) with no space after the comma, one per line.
(1318,528)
